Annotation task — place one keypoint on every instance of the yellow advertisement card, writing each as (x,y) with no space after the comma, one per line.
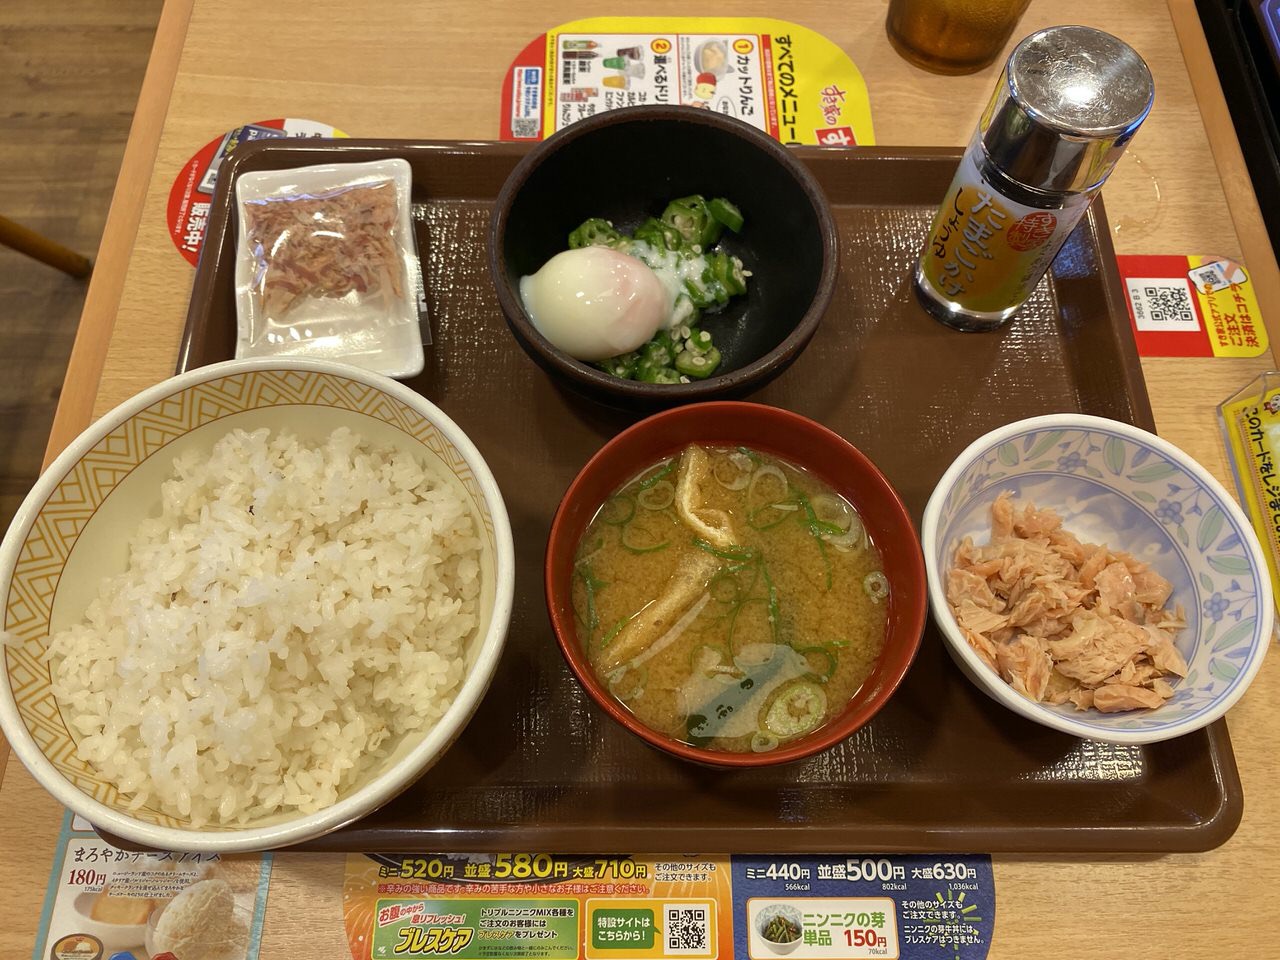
(781,77)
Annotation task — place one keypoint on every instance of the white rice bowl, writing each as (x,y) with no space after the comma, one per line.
(270,642)
(295,607)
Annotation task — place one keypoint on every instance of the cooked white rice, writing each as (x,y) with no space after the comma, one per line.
(294,611)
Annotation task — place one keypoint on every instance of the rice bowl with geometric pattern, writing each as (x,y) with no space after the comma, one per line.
(78,525)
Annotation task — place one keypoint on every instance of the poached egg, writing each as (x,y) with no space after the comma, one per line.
(595,302)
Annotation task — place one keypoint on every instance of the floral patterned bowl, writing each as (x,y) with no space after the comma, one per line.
(1113,483)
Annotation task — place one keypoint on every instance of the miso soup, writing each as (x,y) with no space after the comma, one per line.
(730,599)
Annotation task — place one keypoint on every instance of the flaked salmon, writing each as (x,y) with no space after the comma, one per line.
(1063,621)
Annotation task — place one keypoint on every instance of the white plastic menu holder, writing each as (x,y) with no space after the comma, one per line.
(327,266)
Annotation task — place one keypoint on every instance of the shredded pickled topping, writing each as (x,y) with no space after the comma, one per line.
(1064,621)
(325,246)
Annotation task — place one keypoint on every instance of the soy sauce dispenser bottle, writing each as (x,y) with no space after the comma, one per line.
(1067,104)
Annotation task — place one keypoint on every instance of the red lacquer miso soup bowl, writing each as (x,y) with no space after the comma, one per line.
(773,433)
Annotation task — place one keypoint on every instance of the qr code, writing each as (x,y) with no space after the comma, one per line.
(688,928)
(526,129)
(1171,302)
(1211,276)
(1160,304)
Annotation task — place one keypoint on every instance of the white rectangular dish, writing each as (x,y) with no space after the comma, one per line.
(327,266)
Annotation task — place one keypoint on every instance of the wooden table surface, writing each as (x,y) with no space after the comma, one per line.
(432,70)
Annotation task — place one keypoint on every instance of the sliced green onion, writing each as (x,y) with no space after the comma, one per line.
(741,475)
(613,632)
(826,562)
(657,497)
(663,472)
(823,529)
(763,473)
(797,709)
(845,530)
(762,741)
(876,585)
(618,510)
(729,553)
(754,567)
(830,661)
(853,538)
(637,686)
(591,584)
(817,529)
(831,509)
(715,588)
(784,508)
(628,542)
(775,613)
(585,554)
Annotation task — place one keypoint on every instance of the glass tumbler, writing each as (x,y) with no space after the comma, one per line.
(952,36)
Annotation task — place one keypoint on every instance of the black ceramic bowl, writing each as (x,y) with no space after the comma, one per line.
(625,165)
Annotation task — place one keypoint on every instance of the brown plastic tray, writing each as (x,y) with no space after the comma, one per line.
(941,768)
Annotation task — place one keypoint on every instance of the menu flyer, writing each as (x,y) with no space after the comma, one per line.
(781,77)
(104,903)
(525,906)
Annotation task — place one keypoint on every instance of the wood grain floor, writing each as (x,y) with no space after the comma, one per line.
(69,77)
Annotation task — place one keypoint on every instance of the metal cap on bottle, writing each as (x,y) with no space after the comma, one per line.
(1068,102)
